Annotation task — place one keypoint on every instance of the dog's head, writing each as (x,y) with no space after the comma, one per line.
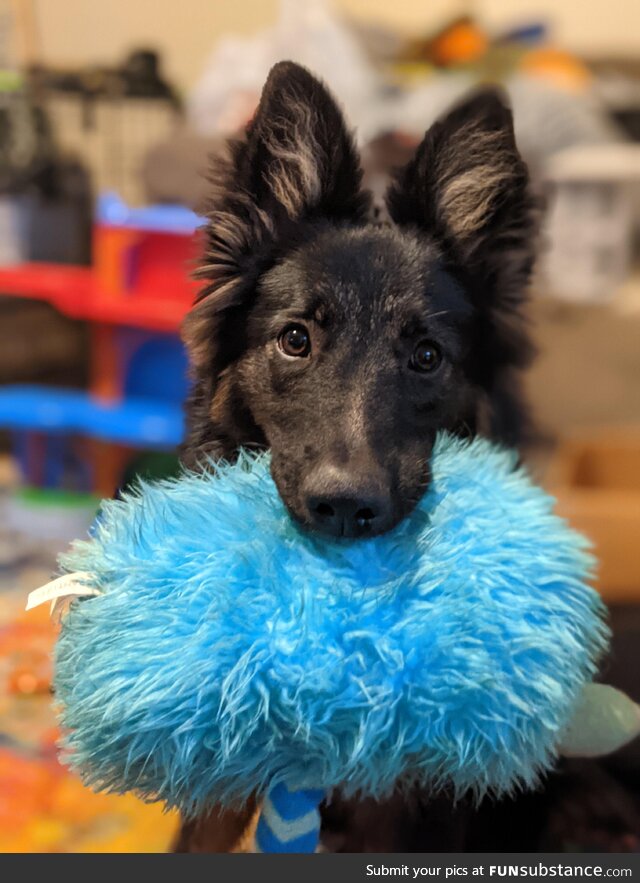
(342,343)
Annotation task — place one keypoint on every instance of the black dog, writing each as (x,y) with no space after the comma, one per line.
(344,342)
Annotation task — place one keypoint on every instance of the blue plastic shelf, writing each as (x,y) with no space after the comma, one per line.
(140,422)
(113,212)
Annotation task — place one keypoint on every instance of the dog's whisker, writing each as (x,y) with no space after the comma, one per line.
(439,313)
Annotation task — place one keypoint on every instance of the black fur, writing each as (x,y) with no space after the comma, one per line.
(292,238)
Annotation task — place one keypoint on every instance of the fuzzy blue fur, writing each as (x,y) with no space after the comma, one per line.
(230,651)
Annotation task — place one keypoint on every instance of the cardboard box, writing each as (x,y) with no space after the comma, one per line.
(596,479)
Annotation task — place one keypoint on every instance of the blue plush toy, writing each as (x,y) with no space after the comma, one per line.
(231,653)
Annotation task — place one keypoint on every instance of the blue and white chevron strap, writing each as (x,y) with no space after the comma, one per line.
(289,820)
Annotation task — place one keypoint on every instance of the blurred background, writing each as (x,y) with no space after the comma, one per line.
(108,113)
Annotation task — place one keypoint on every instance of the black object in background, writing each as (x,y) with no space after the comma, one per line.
(55,213)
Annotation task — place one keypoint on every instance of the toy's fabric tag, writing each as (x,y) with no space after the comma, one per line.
(71,585)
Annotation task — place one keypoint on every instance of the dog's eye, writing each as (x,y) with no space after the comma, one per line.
(294,340)
(426,356)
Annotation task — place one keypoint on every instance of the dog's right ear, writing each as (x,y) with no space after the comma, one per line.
(469,188)
(297,161)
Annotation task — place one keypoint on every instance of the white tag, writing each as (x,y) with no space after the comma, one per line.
(64,586)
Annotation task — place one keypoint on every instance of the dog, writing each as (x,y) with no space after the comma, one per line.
(345,342)
(344,336)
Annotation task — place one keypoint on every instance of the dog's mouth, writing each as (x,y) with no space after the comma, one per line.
(362,528)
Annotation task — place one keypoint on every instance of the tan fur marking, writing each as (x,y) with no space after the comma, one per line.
(220,401)
(294,176)
(468,199)
(470,195)
(199,324)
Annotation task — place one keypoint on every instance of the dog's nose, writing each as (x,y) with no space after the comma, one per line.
(346,516)
(344,508)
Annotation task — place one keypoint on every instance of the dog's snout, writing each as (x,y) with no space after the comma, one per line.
(337,504)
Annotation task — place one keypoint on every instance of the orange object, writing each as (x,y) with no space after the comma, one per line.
(562,68)
(462,43)
(113,249)
(106,364)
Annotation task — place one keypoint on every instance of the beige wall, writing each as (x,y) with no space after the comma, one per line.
(79,31)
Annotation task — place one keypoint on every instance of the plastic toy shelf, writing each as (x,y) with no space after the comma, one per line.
(75,292)
(133,421)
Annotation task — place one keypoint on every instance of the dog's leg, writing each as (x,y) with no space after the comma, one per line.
(221,830)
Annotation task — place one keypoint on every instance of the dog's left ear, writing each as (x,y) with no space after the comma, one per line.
(468,187)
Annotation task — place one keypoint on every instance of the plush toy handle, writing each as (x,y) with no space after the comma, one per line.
(289,821)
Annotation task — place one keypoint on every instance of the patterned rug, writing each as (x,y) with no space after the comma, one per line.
(43,807)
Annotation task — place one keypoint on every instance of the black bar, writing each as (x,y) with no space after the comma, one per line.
(325,868)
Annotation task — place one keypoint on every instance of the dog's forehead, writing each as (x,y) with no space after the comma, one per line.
(377,259)
(374,270)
